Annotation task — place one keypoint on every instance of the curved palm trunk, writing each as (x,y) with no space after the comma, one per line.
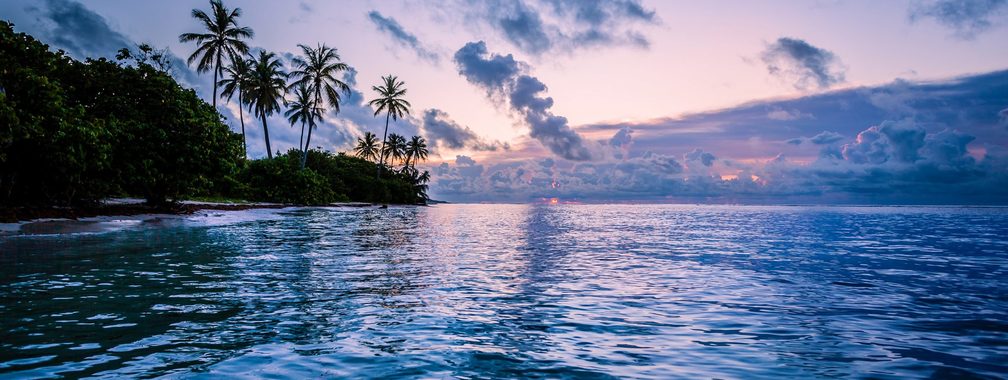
(304,156)
(269,150)
(381,152)
(241,116)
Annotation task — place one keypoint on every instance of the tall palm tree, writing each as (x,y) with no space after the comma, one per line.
(238,72)
(391,101)
(416,149)
(223,38)
(267,86)
(367,147)
(395,149)
(319,71)
(302,110)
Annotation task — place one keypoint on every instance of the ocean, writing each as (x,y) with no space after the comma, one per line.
(512,291)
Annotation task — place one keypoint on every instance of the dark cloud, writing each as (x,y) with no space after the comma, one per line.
(539,26)
(72,27)
(967,18)
(443,132)
(79,31)
(489,71)
(970,104)
(705,158)
(391,27)
(502,76)
(803,64)
(523,27)
(895,163)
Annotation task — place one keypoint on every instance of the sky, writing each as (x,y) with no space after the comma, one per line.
(828,101)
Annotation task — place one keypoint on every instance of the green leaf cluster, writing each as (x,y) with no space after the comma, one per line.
(75,132)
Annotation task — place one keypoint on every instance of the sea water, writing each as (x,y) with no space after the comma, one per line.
(512,291)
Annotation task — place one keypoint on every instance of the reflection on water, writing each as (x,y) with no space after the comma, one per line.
(491,291)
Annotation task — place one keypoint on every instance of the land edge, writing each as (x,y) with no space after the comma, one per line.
(33,214)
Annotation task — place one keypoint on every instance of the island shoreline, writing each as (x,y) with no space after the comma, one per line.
(32,214)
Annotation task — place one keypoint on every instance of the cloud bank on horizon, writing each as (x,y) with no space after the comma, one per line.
(899,143)
(903,142)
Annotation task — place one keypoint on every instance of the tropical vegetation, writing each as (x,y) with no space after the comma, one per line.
(73,133)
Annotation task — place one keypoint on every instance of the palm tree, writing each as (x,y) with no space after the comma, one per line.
(416,149)
(238,72)
(302,110)
(395,148)
(367,147)
(267,86)
(391,101)
(318,71)
(223,37)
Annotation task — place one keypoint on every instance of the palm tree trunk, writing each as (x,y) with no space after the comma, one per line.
(302,145)
(215,71)
(269,150)
(241,116)
(304,157)
(381,153)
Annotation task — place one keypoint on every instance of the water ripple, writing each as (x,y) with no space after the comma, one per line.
(515,291)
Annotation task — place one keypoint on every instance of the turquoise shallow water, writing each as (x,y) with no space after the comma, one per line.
(502,291)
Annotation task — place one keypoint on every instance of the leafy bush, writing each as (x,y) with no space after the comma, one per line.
(281,180)
(80,131)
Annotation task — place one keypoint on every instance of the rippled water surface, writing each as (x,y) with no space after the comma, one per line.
(499,291)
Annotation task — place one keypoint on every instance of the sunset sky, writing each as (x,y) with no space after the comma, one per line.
(720,101)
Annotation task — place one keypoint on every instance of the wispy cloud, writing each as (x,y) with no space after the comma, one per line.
(443,132)
(393,29)
(536,27)
(967,18)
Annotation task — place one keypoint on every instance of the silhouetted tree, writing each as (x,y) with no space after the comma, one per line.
(390,100)
(238,74)
(416,149)
(318,70)
(222,37)
(367,147)
(267,87)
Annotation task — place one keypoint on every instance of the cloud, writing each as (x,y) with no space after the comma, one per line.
(705,158)
(404,38)
(489,71)
(1003,117)
(967,18)
(802,64)
(825,137)
(443,132)
(503,79)
(781,114)
(896,162)
(970,104)
(536,27)
(945,146)
(79,31)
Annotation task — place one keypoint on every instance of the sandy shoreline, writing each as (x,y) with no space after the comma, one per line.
(123,207)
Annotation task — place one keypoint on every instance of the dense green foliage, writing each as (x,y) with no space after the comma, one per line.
(327,178)
(72,133)
(80,131)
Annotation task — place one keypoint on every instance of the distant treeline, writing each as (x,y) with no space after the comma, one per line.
(73,133)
